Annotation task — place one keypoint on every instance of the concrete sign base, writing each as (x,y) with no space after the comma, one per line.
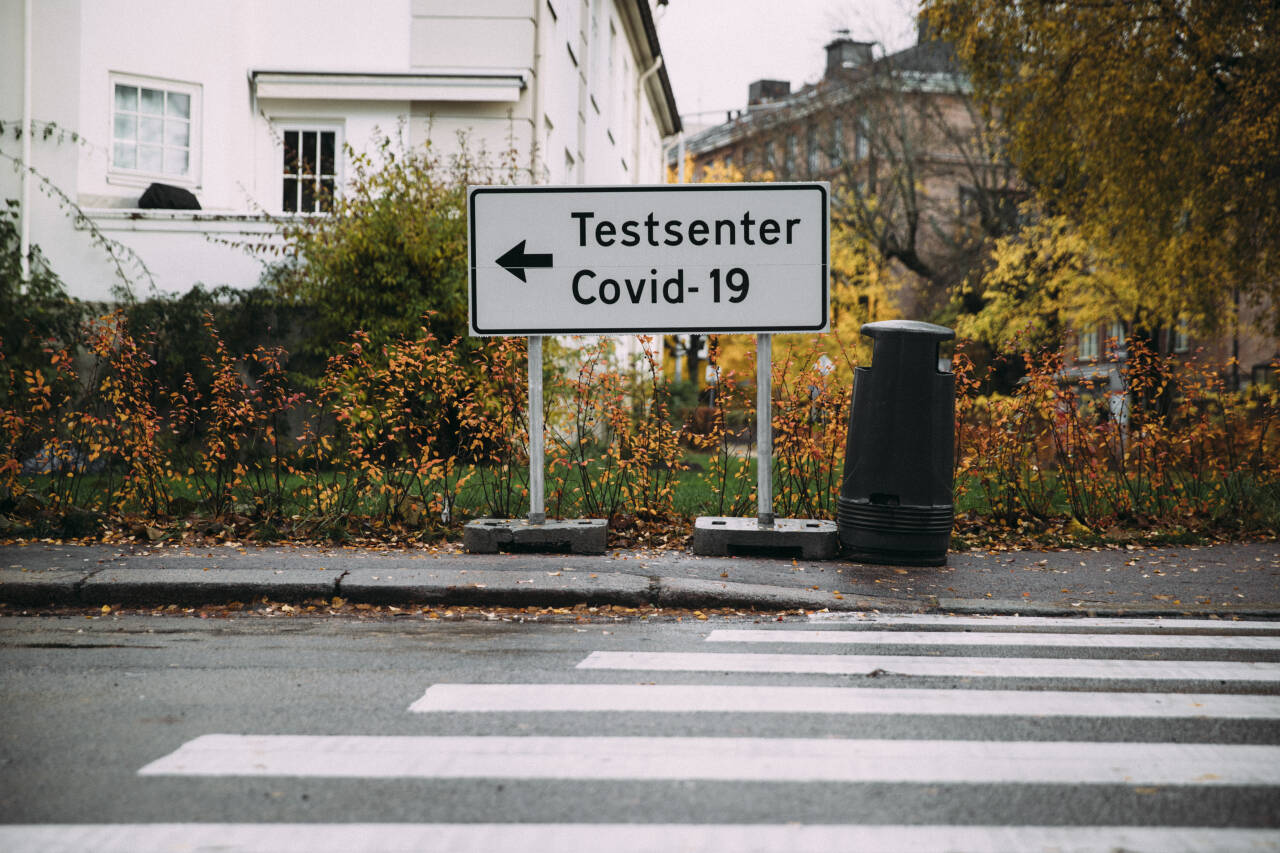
(571,535)
(814,539)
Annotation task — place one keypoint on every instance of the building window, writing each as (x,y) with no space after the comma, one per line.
(154,129)
(1087,345)
(814,154)
(1181,341)
(310,170)
(862,139)
(790,163)
(837,141)
(770,160)
(1115,338)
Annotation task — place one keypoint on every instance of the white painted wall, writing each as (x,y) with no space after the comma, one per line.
(215,45)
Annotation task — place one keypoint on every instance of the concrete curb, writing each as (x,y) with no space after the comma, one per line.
(455,587)
(692,593)
(513,589)
(147,587)
(1058,583)
(42,587)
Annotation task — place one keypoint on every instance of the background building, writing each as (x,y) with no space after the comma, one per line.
(228,98)
(916,174)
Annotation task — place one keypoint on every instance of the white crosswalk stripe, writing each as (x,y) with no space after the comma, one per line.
(996,638)
(1070,623)
(728,698)
(723,758)
(965,667)
(621,838)
(1091,676)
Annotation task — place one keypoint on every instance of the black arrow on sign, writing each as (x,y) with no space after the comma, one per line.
(516,261)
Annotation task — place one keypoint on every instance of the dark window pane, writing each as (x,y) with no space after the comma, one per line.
(308,196)
(153,102)
(326,194)
(290,204)
(125,155)
(151,130)
(326,152)
(308,152)
(126,98)
(179,105)
(126,127)
(291,152)
(150,158)
(177,133)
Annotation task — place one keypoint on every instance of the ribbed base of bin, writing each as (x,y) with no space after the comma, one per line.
(895,535)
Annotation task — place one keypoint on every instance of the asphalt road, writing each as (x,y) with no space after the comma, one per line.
(108,721)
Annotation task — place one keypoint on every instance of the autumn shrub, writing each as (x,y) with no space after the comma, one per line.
(586,407)
(495,426)
(411,436)
(1170,448)
(402,428)
(810,427)
(615,446)
(35,402)
(727,437)
(394,248)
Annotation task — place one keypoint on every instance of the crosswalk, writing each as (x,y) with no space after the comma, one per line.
(960,707)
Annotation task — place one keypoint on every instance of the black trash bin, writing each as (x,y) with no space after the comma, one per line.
(896,501)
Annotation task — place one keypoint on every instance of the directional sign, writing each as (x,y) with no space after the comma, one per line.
(635,259)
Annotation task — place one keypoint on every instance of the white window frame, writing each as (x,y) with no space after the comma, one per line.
(139,177)
(280,128)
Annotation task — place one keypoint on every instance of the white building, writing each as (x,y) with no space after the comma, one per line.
(211,95)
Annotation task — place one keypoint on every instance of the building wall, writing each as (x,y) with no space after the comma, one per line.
(214,48)
(834,133)
(483,35)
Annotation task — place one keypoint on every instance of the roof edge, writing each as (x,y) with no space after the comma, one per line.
(655,51)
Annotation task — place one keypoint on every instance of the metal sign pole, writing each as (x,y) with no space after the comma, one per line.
(764,430)
(537,509)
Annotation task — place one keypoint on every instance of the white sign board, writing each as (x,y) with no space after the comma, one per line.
(637,259)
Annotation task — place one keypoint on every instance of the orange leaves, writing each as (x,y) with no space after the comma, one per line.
(406,439)
(1170,450)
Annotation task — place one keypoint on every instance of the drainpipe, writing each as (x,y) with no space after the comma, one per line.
(24,204)
(640,84)
(535,132)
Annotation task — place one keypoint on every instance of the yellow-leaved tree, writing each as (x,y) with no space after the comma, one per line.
(1043,280)
(1153,128)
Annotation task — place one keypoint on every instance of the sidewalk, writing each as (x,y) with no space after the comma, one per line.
(1224,580)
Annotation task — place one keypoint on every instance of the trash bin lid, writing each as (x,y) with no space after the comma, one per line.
(886,328)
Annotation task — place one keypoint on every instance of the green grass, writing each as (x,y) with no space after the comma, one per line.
(695,494)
